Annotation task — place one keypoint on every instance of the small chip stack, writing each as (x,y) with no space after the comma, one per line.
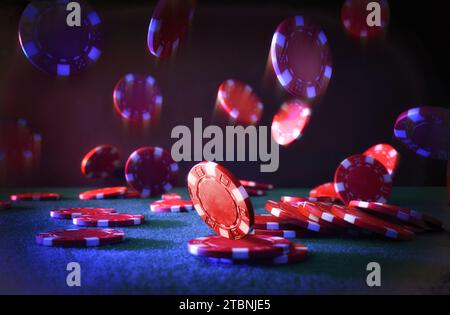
(224,204)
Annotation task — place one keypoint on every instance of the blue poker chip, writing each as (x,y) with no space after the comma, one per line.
(425,131)
(53,46)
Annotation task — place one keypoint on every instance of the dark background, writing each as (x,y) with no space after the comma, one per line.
(372,83)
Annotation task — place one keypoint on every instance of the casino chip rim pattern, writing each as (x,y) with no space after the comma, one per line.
(100,162)
(237,193)
(151,156)
(44,60)
(286,76)
(80,237)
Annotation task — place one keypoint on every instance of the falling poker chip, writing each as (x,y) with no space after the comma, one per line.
(53,42)
(301,57)
(137,98)
(356,15)
(240,102)
(169,26)
(425,131)
(290,121)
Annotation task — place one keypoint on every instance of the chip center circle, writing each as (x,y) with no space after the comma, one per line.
(217,202)
(304,55)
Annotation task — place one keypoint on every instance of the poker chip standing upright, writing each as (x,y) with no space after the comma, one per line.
(301,57)
(220,200)
(151,171)
(361,177)
(54,46)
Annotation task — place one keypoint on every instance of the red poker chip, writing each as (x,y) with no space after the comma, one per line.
(372,223)
(386,155)
(80,237)
(325,190)
(290,121)
(425,130)
(322,211)
(402,214)
(361,177)
(5,205)
(171,205)
(151,171)
(270,222)
(301,57)
(103,193)
(220,200)
(355,13)
(101,162)
(137,98)
(289,234)
(108,219)
(255,185)
(169,26)
(297,254)
(287,211)
(132,194)
(240,102)
(295,199)
(249,248)
(171,196)
(35,197)
(71,213)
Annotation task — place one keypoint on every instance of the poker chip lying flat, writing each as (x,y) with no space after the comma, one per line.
(286,211)
(5,205)
(220,200)
(171,205)
(402,214)
(255,185)
(285,233)
(270,222)
(170,196)
(297,254)
(361,177)
(35,197)
(386,155)
(325,190)
(303,199)
(103,193)
(322,211)
(371,223)
(108,220)
(80,237)
(151,171)
(71,213)
(249,248)
(100,162)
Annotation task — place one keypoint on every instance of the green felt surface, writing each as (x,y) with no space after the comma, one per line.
(154,259)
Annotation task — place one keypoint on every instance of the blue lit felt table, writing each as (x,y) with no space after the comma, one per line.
(154,259)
